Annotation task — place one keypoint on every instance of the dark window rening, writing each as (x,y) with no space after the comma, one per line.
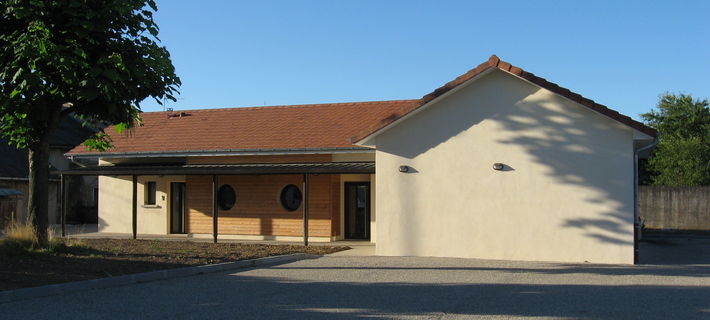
(291,197)
(226,197)
(150,191)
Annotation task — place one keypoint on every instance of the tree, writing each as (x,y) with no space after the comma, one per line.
(682,157)
(94,59)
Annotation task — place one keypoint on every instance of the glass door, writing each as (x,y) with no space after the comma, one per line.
(357,210)
(177,207)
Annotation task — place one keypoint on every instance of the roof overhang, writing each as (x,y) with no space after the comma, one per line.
(215,153)
(228,169)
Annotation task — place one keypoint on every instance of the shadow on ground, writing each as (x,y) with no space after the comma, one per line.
(353,300)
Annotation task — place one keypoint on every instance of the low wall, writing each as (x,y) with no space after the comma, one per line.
(675,208)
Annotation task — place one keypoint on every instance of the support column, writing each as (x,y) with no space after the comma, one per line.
(215,211)
(134,208)
(305,209)
(63,205)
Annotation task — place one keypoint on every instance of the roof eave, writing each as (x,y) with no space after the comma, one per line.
(213,153)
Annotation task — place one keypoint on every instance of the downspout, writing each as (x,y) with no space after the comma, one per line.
(637,223)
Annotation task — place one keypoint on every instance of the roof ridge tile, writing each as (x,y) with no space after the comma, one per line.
(495,62)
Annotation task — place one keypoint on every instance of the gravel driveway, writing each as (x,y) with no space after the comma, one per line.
(404,288)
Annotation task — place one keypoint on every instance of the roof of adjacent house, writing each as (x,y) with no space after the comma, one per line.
(301,127)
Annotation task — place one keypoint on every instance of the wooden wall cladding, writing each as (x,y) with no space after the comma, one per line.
(292,158)
(258,210)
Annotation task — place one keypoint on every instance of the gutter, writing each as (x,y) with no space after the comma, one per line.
(637,222)
(209,153)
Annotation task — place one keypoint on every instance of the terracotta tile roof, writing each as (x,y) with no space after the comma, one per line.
(495,62)
(314,126)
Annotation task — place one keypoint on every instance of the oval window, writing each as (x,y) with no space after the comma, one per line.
(226,197)
(291,197)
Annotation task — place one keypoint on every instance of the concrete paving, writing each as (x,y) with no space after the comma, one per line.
(406,288)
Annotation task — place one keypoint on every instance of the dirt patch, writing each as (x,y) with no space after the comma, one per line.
(85,259)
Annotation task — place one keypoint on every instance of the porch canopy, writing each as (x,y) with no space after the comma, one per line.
(226,169)
(215,170)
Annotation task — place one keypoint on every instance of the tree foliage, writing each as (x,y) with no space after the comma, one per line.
(94,59)
(682,157)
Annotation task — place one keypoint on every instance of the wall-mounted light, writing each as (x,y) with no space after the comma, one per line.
(498,166)
(404,169)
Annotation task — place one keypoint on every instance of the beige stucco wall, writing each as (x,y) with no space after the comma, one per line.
(566,193)
(115,198)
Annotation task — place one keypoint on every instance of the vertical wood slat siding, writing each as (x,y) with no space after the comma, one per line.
(258,210)
(335,205)
(198,201)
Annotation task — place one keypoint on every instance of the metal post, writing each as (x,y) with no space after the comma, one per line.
(63,205)
(134,213)
(305,209)
(215,211)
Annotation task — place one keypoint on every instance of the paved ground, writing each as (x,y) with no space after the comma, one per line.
(411,288)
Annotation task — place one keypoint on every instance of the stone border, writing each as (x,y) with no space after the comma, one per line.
(110,282)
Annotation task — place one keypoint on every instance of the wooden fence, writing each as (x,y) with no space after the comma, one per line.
(675,208)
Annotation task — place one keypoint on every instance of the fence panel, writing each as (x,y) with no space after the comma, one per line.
(7,211)
(676,208)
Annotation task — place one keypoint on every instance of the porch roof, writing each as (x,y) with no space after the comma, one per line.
(227,169)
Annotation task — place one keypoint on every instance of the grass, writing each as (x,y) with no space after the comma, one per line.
(24,263)
(21,239)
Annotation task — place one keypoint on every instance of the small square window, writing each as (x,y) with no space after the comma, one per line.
(150,191)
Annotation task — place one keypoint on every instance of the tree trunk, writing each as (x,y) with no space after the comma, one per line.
(38,198)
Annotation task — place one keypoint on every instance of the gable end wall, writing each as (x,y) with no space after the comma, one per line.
(566,193)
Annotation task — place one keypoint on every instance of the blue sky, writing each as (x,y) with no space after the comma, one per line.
(622,54)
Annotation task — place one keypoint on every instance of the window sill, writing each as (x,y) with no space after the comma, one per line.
(151,206)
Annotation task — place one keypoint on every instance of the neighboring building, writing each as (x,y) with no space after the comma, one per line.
(497,164)
(14,181)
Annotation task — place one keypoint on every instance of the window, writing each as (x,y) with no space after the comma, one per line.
(150,193)
(226,197)
(291,197)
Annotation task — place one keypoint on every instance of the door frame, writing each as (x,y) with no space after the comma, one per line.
(368,209)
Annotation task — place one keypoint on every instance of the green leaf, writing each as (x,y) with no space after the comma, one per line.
(14,93)
(17,74)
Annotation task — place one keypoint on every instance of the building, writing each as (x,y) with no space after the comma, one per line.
(14,178)
(496,164)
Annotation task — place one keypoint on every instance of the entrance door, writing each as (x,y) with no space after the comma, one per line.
(177,207)
(357,210)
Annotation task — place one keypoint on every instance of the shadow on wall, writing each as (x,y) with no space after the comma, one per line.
(564,140)
(570,133)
